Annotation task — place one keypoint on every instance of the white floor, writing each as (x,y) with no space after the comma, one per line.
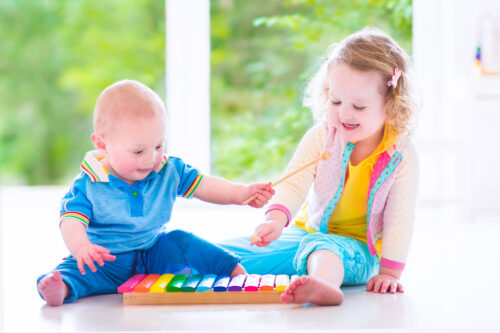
(452,279)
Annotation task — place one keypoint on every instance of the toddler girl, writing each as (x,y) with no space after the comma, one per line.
(353,212)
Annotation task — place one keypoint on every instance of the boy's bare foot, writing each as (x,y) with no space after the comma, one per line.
(53,288)
(307,289)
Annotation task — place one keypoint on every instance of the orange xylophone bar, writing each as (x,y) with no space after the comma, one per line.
(143,289)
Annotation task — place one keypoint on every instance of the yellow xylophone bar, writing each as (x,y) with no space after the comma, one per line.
(153,289)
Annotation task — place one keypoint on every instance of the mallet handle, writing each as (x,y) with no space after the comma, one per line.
(322,157)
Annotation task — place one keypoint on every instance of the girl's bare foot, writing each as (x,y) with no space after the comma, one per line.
(53,289)
(307,289)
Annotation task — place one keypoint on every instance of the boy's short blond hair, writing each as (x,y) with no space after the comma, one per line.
(125,99)
(368,50)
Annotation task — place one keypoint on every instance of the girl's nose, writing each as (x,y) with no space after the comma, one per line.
(344,113)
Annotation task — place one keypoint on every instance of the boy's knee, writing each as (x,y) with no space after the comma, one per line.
(180,237)
(180,234)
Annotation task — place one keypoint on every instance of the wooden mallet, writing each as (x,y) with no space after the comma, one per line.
(324,156)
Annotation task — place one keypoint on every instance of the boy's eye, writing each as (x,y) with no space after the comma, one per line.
(359,107)
(336,102)
(159,146)
(138,152)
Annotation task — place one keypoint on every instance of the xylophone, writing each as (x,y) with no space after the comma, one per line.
(203,289)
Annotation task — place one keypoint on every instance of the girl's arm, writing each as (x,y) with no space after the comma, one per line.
(387,281)
(399,216)
(292,192)
(399,212)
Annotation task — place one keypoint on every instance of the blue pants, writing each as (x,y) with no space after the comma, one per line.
(172,251)
(289,253)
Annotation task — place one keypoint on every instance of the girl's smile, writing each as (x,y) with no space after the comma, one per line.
(350,127)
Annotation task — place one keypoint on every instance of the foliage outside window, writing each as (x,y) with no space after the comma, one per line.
(56,56)
(263,53)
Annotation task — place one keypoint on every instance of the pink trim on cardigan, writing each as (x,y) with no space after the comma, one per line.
(283,209)
(392,264)
(382,161)
(378,168)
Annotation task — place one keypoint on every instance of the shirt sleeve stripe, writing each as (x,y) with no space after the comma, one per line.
(76,215)
(193,187)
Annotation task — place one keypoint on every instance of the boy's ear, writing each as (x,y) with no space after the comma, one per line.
(98,142)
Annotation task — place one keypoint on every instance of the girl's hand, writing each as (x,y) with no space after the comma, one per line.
(263,193)
(267,232)
(384,283)
(87,254)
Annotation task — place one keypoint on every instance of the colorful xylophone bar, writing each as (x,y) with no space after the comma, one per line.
(203,289)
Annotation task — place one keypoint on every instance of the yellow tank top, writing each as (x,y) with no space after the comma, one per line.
(349,216)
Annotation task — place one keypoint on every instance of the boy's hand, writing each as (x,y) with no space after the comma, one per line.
(262,192)
(384,283)
(266,233)
(87,254)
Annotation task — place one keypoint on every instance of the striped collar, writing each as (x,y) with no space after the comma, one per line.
(94,168)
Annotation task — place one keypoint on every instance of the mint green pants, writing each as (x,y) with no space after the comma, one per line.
(289,254)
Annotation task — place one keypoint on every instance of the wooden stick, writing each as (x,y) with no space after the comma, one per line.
(254,239)
(324,156)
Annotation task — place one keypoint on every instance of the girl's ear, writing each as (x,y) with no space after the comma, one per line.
(98,142)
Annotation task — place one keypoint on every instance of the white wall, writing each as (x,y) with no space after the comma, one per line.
(457,131)
(188,81)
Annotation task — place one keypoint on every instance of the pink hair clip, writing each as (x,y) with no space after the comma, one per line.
(395,77)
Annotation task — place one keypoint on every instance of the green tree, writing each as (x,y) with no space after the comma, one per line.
(263,53)
(55,58)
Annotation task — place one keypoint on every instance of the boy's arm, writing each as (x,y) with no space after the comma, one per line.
(220,191)
(75,237)
(74,234)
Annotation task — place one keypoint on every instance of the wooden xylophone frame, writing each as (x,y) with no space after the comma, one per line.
(206,297)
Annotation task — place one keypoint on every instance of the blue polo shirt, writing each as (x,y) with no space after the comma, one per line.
(123,217)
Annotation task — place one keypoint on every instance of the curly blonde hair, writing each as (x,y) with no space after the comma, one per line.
(368,50)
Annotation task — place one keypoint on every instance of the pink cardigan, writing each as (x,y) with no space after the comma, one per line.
(391,195)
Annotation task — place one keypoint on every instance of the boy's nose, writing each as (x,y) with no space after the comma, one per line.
(151,158)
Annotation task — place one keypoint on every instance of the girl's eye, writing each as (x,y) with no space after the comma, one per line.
(138,152)
(359,107)
(336,102)
(159,147)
